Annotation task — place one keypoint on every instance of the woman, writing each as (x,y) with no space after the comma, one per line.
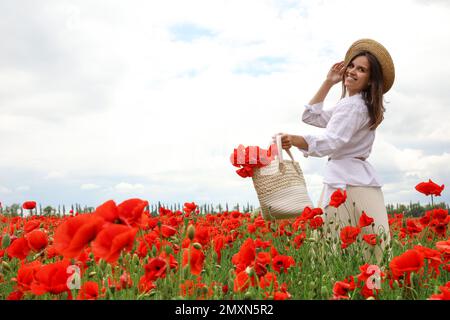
(366,74)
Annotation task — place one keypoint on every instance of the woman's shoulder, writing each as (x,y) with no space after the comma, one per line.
(353,103)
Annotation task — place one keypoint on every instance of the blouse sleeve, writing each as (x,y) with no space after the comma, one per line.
(345,121)
(316,116)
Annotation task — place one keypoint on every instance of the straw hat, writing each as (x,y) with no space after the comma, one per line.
(382,55)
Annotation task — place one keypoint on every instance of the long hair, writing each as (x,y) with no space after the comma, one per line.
(373,94)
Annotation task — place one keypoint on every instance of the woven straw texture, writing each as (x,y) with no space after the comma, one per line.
(282,194)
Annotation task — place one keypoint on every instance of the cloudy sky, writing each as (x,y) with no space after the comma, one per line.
(117,99)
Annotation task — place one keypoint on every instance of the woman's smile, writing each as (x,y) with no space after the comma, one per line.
(357,75)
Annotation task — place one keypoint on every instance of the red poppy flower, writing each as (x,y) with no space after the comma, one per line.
(195,258)
(25,275)
(370,239)
(444,246)
(439,227)
(425,220)
(131,211)
(189,207)
(37,240)
(342,288)
(202,235)
(51,278)
(19,248)
(432,256)
(298,240)
(280,295)
(110,242)
(145,285)
(31,225)
(219,242)
(75,233)
(337,198)
(282,263)
(402,265)
(429,188)
(251,157)
(51,252)
(439,214)
(15,295)
(167,231)
(365,220)
(170,259)
(309,213)
(246,255)
(445,293)
(370,273)
(316,222)
(268,280)
(108,211)
(29,205)
(242,282)
(88,291)
(155,268)
(348,235)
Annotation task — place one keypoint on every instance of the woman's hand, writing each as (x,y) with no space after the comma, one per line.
(290,140)
(286,140)
(335,74)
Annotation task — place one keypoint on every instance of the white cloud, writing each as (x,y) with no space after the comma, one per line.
(22,188)
(55,175)
(5,190)
(89,186)
(125,187)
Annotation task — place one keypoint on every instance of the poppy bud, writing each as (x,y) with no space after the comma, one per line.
(108,295)
(191,232)
(108,269)
(413,276)
(324,291)
(117,270)
(248,295)
(197,246)
(92,273)
(6,266)
(6,241)
(135,259)
(102,264)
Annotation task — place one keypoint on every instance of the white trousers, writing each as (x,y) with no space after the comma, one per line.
(359,199)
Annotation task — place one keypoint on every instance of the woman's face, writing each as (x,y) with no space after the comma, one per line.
(357,74)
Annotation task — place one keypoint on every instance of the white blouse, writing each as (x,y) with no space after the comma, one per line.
(346,137)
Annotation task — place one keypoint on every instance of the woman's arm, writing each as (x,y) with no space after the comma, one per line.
(289,140)
(322,93)
(314,114)
(347,119)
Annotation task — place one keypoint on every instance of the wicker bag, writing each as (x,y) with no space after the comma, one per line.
(280,187)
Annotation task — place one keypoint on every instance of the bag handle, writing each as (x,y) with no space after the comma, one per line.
(280,149)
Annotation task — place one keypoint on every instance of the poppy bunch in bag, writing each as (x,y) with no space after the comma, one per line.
(248,158)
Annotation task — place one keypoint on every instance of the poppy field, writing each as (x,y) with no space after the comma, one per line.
(123,251)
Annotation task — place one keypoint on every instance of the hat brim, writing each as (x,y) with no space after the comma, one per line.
(382,55)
